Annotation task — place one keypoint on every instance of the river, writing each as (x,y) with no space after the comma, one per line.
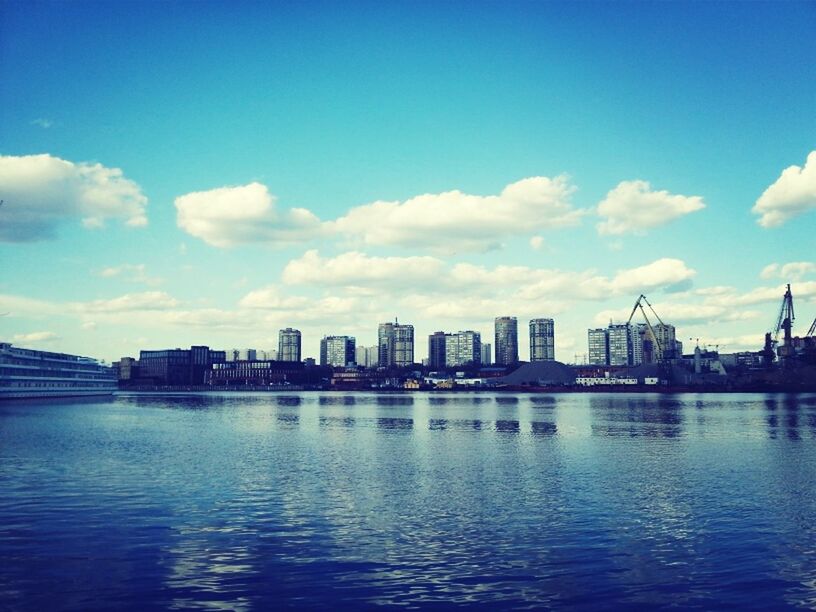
(358,500)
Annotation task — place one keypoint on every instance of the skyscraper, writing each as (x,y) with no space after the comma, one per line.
(620,344)
(598,346)
(337,351)
(436,350)
(396,344)
(506,340)
(542,340)
(487,356)
(463,348)
(289,344)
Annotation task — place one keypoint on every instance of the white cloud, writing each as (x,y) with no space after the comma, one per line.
(668,274)
(40,192)
(454,221)
(42,122)
(134,273)
(431,276)
(793,194)
(632,206)
(793,271)
(270,298)
(89,325)
(357,269)
(34,337)
(147,300)
(537,242)
(228,216)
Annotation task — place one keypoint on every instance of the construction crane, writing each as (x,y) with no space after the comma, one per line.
(812,330)
(784,324)
(639,304)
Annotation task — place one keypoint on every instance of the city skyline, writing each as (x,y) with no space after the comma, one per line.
(328,169)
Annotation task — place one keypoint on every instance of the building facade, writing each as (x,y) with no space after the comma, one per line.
(436,350)
(179,366)
(487,353)
(542,340)
(598,346)
(289,344)
(463,348)
(337,351)
(396,345)
(506,340)
(620,344)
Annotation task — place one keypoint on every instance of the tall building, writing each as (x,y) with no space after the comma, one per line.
(436,350)
(542,340)
(396,344)
(665,335)
(366,356)
(289,344)
(337,351)
(506,340)
(598,346)
(463,348)
(640,342)
(620,344)
(487,356)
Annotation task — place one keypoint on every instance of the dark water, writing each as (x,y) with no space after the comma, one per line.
(357,500)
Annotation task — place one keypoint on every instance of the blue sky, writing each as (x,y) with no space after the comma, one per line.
(329,107)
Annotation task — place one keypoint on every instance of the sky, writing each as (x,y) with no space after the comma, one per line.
(178,173)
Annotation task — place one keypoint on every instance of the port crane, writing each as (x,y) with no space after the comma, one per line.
(784,324)
(812,330)
(639,304)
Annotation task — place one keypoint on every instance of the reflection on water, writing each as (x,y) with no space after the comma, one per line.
(346,501)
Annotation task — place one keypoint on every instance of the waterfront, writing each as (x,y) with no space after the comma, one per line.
(253,501)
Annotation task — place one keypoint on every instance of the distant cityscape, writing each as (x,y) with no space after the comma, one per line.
(629,354)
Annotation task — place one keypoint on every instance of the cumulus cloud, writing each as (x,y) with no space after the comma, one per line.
(147,300)
(228,216)
(666,273)
(357,269)
(270,298)
(34,337)
(134,273)
(431,275)
(41,192)
(632,206)
(793,194)
(793,271)
(455,221)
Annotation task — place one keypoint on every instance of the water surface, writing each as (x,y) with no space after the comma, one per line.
(355,500)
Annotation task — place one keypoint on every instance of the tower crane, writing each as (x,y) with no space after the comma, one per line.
(784,324)
(639,304)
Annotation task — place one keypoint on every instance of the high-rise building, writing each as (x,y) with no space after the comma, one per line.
(665,335)
(366,356)
(487,353)
(396,344)
(620,344)
(542,340)
(436,350)
(598,346)
(289,344)
(506,340)
(640,341)
(463,348)
(337,351)
(247,354)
